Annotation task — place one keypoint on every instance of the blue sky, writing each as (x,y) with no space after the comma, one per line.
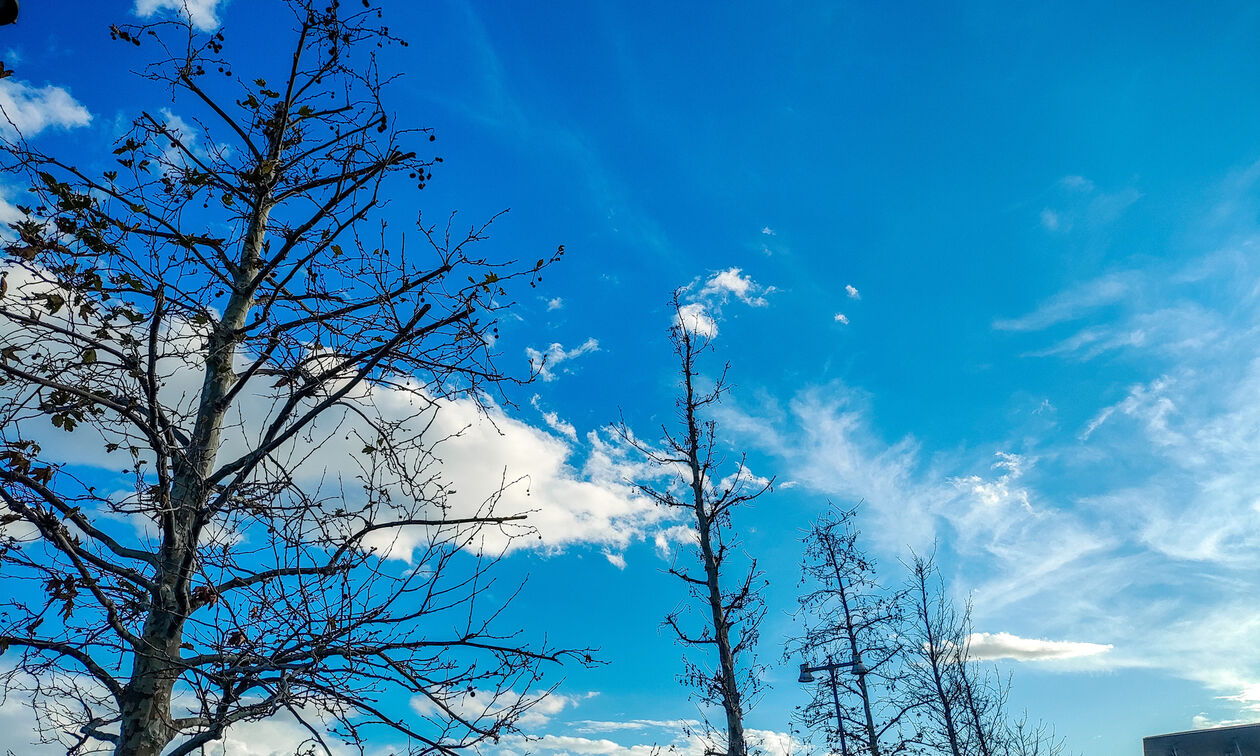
(1048,220)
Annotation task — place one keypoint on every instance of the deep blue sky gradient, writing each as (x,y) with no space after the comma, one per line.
(964,165)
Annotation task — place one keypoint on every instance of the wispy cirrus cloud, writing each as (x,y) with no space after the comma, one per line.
(1043,562)
(1076,203)
(554,421)
(1074,303)
(546,362)
(1164,475)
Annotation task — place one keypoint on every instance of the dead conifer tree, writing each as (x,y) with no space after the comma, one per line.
(850,617)
(724,671)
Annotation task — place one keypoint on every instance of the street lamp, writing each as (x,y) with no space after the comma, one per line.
(807,676)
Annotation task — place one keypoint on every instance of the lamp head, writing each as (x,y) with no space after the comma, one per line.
(806,675)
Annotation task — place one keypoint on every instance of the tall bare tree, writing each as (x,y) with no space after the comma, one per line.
(849,616)
(731,615)
(219,312)
(932,634)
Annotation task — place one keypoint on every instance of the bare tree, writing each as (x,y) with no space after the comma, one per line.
(1027,738)
(982,692)
(964,701)
(221,313)
(849,616)
(932,635)
(732,616)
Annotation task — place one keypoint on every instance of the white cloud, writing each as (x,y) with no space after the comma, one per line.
(767,231)
(486,456)
(554,304)
(567,506)
(278,736)
(178,127)
(1050,219)
(546,362)
(852,291)
(616,560)
(1078,206)
(1073,303)
(554,421)
(1079,183)
(567,744)
(203,14)
(683,741)
(188,135)
(984,646)
(560,426)
(275,736)
(29,110)
(19,731)
(1140,528)
(733,282)
(665,538)
(1180,521)
(474,705)
(841,318)
(8,214)
(1178,328)
(824,441)
(696,319)
(1202,721)
(703,306)
(1010,548)
(596,726)
(1029,546)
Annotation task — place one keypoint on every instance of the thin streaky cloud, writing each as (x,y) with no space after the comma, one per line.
(987,646)
(1074,303)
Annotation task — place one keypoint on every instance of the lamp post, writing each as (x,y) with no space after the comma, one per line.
(807,676)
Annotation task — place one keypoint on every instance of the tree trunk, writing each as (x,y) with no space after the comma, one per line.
(147,724)
(735,745)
